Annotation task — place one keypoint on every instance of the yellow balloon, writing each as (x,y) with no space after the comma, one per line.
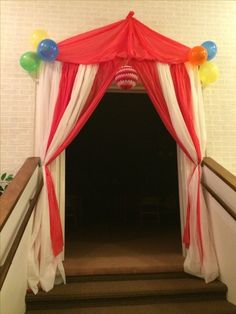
(37,36)
(208,73)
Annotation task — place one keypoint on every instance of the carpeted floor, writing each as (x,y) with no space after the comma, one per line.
(123,249)
(204,307)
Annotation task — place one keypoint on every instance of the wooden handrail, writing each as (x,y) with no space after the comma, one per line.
(226,207)
(225,176)
(5,267)
(15,189)
(220,171)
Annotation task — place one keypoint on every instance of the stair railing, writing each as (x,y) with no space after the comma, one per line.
(220,194)
(16,207)
(228,178)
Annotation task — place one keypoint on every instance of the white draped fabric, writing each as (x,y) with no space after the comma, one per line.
(198,107)
(207,268)
(82,87)
(176,117)
(43,265)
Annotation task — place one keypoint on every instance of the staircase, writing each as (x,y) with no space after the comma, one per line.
(163,293)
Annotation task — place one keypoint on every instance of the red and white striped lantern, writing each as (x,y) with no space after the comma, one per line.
(126,77)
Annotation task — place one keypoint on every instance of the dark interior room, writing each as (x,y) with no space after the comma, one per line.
(123,157)
(121,181)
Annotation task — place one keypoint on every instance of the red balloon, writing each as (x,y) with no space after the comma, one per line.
(197,55)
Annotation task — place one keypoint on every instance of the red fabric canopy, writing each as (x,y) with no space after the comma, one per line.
(126,39)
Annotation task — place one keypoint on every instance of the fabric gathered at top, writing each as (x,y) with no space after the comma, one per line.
(125,39)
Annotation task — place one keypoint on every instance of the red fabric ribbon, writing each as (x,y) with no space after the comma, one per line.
(54,214)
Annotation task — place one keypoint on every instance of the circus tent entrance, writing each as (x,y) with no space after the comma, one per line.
(69,91)
(122,209)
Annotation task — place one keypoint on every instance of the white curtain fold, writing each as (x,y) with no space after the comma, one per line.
(48,86)
(47,92)
(176,117)
(185,168)
(189,179)
(42,264)
(198,107)
(81,89)
(209,270)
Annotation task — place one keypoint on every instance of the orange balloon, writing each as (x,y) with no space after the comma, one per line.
(197,55)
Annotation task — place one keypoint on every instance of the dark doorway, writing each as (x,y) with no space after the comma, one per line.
(123,155)
(121,174)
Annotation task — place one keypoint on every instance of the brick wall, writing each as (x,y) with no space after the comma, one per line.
(187,21)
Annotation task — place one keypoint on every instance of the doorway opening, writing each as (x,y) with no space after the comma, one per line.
(122,208)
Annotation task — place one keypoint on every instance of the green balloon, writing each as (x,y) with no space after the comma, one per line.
(30,61)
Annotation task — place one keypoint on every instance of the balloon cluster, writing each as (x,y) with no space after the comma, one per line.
(46,50)
(201,56)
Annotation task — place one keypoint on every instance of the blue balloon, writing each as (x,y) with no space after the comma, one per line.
(47,50)
(211,49)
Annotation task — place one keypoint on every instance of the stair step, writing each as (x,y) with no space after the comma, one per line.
(99,293)
(200,307)
(134,276)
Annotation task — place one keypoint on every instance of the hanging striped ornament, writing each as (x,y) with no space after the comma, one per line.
(126,77)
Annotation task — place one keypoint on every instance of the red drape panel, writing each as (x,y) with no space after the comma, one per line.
(54,216)
(68,75)
(148,74)
(105,74)
(183,93)
(126,39)
(103,78)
